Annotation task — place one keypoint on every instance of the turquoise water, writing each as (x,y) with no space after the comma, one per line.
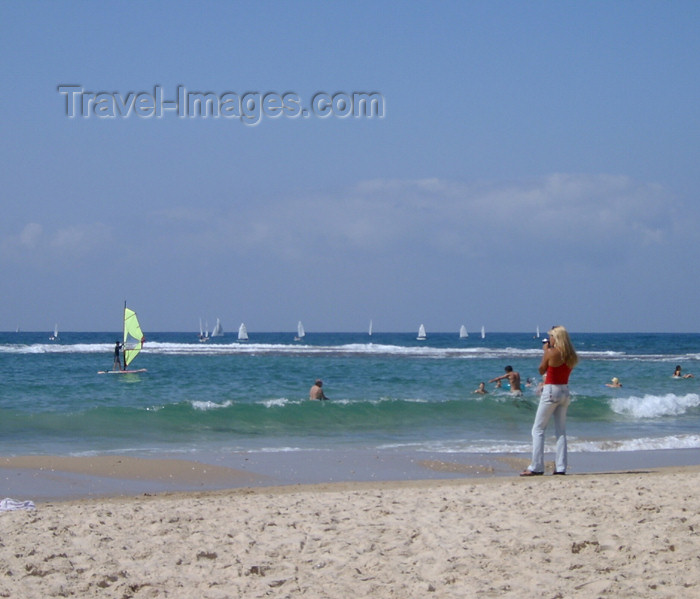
(388,392)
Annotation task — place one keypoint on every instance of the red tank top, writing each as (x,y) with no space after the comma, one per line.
(557,375)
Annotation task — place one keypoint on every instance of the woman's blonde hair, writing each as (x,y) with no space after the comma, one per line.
(563,343)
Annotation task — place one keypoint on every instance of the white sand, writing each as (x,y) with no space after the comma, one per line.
(612,535)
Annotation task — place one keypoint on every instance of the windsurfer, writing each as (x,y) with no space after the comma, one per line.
(117,359)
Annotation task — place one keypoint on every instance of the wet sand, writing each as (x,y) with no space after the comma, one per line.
(44,478)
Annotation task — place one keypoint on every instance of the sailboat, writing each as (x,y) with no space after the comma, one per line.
(421,333)
(537,332)
(483,331)
(463,332)
(132,343)
(370,328)
(54,337)
(203,333)
(218,329)
(300,332)
(242,333)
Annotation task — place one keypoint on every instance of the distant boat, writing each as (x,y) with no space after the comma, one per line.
(242,333)
(463,332)
(300,332)
(54,337)
(370,328)
(218,329)
(421,333)
(203,333)
(537,333)
(483,332)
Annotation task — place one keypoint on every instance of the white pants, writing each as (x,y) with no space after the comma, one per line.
(553,402)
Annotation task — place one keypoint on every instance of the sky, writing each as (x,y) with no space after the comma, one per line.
(525,164)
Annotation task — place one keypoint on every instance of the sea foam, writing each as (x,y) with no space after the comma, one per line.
(654,406)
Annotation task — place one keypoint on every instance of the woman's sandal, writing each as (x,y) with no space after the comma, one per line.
(530,473)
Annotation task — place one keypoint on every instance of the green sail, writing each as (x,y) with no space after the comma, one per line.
(133,336)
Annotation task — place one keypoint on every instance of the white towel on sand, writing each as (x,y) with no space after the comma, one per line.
(8,505)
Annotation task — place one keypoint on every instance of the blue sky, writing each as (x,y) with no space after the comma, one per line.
(536,163)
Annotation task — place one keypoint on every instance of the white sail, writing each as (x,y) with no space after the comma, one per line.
(242,333)
(421,333)
(300,332)
(203,333)
(54,337)
(463,332)
(370,328)
(537,332)
(218,329)
(483,331)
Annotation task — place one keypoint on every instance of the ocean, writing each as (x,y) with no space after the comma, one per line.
(388,393)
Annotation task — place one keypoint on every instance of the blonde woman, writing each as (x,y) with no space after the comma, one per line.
(558,360)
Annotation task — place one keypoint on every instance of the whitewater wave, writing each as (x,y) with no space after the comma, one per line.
(574,445)
(367,349)
(641,444)
(655,406)
(210,405)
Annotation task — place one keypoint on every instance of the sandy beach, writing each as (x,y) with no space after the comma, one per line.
(625,534)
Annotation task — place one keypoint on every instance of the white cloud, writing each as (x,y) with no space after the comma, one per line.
(459,218)
(565,213)
(70,241)
(81,239)
(30,236)
(585,208)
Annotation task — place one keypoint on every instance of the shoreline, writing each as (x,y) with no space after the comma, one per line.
(42,478)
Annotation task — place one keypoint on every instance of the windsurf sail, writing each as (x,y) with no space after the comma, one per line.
(242,332)
(133,336)
(463,332)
